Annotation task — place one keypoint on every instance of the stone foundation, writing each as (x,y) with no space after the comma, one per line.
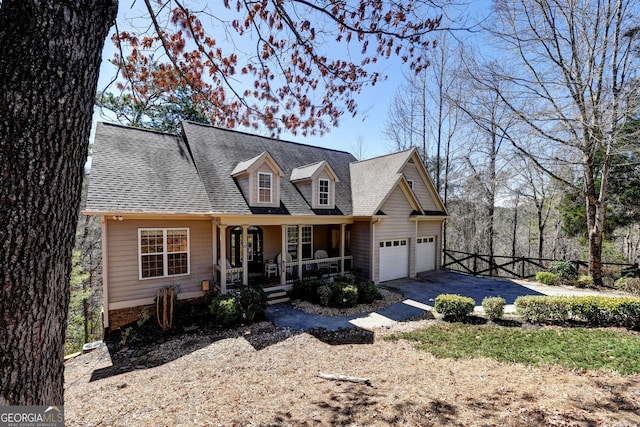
(124,316)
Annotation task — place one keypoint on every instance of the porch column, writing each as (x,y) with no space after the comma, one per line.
(342,235)
(283,256)
(214,249)
(223,259)
(300,251)
(245,257)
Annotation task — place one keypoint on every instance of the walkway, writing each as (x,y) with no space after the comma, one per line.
(420,296)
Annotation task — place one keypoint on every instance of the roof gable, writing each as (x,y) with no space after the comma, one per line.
(252,164)
(308,172)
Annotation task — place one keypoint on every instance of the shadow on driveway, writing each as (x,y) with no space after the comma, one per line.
(429,285)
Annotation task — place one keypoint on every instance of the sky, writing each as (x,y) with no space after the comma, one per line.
(373,102)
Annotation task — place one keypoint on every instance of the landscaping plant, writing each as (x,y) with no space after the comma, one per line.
(225,309)
(494,307)
(564,269)
(455,307)
(547,278)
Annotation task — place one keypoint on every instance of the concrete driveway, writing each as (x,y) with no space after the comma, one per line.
(420,294)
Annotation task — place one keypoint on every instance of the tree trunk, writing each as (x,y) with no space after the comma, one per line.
(49,60)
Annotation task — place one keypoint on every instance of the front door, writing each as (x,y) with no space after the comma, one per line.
(254,248)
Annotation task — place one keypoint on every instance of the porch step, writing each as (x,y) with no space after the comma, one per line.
(277,294)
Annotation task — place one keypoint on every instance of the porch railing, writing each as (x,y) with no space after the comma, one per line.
(326,267)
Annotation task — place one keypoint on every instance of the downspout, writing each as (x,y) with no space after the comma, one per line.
(105,273)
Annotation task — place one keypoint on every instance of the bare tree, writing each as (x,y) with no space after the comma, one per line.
(571,79)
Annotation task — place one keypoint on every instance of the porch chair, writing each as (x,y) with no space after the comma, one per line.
(231,276)
(328,265)
(288,268)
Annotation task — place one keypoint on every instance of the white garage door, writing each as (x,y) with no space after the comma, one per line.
(425,254)
(394,259)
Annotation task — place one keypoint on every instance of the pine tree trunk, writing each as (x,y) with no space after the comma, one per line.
(49,61)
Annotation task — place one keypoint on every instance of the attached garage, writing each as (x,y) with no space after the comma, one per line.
(394,259)
(425,253)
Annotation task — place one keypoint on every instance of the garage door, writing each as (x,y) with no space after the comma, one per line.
(394,259)
(425,254)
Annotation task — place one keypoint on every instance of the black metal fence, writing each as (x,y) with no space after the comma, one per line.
(512,267)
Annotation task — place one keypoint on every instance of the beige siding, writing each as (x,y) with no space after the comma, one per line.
(124,282)
(272,242)
(306,191)
(419,187)
(433,228)
(361,246)
(396,225)
(275,185)
(244,186)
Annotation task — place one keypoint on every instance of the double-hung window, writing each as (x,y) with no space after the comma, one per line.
(323,192)
(264,187)
(163,252)
(306,241)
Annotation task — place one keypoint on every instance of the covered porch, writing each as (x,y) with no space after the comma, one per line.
(275,255)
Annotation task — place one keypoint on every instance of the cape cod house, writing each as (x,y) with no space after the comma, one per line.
(215,207)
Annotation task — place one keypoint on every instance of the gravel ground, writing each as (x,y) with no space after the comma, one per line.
(259,375)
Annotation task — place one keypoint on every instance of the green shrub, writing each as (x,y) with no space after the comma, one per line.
(547,278)
(454,306)
(225,309)
(621,283)
(343,295)
(324,295)
(306,289)
(534,309)
(564,269)
(494,307)
(367,292)
(251,301)
(628,284)
(595,310)
(584,282)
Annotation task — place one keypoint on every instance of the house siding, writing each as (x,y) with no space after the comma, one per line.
(396,225)
(420,189)
(124,283)
(244,185)
(306,191)
(361,247)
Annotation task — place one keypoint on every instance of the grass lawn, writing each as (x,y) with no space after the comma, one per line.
(576,348)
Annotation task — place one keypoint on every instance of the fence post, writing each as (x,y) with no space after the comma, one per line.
(522,268)
(475,264)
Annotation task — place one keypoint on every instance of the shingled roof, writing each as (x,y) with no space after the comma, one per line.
(384,171)
(141,171)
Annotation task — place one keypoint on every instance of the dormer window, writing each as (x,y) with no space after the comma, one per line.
(259,180)
(265,188)
(323,192)
(410,182)
(317,184)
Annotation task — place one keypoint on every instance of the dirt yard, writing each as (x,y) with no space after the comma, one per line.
(261,376)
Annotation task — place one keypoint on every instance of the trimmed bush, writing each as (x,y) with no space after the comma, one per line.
(252,302)
(535,309)
(454,306)
(367,292)
(547,278)
(564,269)
(343,295)
(494,307)
(306,289)
(584,282)
(628,284)
(595,310)
(324,295)
(225,309)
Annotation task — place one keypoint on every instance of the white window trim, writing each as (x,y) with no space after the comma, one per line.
(320,192)
(165,254)
(410,182)
(298,237)
(270,188)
